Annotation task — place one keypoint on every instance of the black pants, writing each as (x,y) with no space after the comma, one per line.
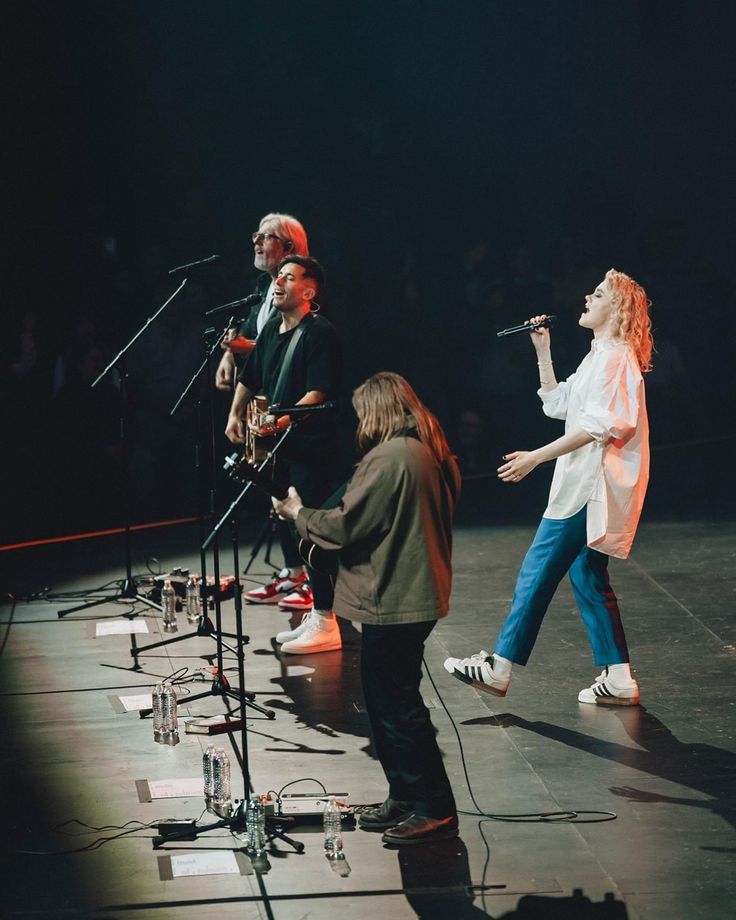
(403,736)
(313,486)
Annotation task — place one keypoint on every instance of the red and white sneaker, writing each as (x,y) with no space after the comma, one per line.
(299,599)
(275,590)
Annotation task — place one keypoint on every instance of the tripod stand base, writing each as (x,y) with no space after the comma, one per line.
(236,823)
(204,629)
(220,686)
(129,589)
(129,592)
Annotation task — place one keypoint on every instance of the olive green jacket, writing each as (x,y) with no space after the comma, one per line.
(393,531)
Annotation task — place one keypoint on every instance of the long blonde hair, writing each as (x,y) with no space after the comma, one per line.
(631,316)
(384,403)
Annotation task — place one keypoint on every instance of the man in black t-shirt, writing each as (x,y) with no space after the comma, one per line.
(309,342)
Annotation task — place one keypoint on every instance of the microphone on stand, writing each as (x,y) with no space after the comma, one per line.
(329,405)
(545,323)
(243,302)
(181,268)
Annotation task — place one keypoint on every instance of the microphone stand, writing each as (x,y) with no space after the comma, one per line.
(220,685)
(129,589)
(236,821)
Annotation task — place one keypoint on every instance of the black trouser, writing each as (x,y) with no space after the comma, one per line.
(313,486)
(403,735)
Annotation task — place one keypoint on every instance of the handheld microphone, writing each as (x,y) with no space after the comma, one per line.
(329,405)
(545,323)
(181,268)
(243,302)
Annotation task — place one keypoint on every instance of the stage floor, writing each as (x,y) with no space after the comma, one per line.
(666,768)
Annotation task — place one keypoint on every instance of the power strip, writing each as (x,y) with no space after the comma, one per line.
(305,805)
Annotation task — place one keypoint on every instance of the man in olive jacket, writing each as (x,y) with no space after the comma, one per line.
(393,533)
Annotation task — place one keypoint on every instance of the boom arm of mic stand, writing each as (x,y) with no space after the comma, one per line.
(138,334)
(199,370)
(236,501)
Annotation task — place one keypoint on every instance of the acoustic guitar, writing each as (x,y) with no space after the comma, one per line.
(323,560)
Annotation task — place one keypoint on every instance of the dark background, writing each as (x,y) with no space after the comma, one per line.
(458,167)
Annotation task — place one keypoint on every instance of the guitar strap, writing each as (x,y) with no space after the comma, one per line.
(286,366)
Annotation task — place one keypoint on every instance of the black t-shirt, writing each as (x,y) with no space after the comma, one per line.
(315,365)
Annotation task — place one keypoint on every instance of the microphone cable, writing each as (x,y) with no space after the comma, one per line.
(571,816)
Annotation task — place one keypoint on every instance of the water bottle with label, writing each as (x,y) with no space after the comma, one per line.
(168,607)
(332,823)
(194,602)
(158,711)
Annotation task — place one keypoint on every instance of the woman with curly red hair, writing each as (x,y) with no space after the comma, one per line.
(596,497)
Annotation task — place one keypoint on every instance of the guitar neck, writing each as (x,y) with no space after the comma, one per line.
(249,473)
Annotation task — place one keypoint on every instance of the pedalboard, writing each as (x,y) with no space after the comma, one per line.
(312,806)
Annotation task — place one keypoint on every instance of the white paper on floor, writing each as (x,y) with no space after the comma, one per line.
(120,627)
(136,703)
(217,862)
(175,788)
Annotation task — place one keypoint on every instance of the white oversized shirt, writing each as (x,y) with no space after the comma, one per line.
(605,397)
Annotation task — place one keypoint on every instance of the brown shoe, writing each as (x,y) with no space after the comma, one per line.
(421,829)
(389,814)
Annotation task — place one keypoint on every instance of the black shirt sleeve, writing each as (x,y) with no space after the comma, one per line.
(251,373)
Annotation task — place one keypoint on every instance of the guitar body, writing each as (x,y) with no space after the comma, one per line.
(323,560)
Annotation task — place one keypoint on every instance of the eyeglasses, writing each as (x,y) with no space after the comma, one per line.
(266,237)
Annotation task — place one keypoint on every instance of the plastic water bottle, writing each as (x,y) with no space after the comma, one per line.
(158,711)
(255,826)
(208,776)
(332,823)
(221,793)
(194,602)
(169,718)
(168,607)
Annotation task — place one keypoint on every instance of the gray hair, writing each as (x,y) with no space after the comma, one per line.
(289,229)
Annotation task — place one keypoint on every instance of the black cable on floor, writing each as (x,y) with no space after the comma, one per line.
(573,816)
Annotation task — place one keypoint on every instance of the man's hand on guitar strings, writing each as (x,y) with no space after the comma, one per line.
(234,431)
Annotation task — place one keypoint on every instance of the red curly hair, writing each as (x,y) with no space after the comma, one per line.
(631,315)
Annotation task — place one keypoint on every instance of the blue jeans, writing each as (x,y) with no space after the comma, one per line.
(559,547)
